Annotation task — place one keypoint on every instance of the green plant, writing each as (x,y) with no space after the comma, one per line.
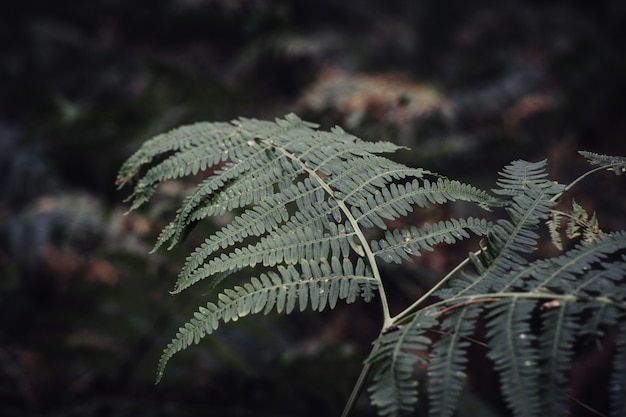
(314,211)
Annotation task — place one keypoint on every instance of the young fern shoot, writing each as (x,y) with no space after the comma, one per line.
(315,211)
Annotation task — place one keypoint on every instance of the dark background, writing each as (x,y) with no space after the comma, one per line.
(85,311)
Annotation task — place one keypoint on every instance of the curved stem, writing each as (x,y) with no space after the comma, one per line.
(430,292)
(358,386)
(576,181)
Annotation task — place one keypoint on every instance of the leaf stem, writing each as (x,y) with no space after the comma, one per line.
(430,292)
(358,386)
(571,185)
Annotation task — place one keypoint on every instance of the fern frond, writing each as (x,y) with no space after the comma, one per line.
(184,137)
(246,182)
(614,163)
(288,245)
(531,198)
(518,176)
(446,371)
(267,216)
(564,274)
(319,283)
(303,199)
(202,148)
(617,383)
(304,194)
(397,200)
(561,326)
(396,355)
(515,358)
(399,244)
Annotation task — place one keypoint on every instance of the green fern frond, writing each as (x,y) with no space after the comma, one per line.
(318,284)
(246,182)
(304,194)
(184,137)
(558,290)
(397,354)
(399,244)
(287,245)
(531,198)
(397,200)
(448,361)
(560,327)
(614,163)
(567,273)
(518,176)
(303,199)
(511,348)
(617,383)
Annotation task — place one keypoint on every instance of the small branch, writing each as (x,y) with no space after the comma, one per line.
(466,303)
(576,181)
(430,292)
(358,386)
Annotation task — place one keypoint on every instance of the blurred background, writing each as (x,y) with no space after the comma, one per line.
(468,86)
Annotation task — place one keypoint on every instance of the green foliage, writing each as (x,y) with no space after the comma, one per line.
(314,222)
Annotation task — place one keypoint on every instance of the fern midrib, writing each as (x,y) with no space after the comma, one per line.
(355,227)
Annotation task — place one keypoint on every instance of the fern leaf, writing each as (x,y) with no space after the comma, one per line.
(614,163)
(563,274)
(319,283)
(531,198)
(617,383)
(397,200)
(394,387)
(184,137)
(283,247)
(518,176)
(446,371)
(560,328)
(399,244)
(249,182)
(267,216)
(554,223)
(515,358)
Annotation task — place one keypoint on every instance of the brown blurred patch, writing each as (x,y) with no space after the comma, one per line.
(390,98)
(64,265)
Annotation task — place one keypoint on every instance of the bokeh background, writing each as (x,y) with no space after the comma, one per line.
(468,86)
